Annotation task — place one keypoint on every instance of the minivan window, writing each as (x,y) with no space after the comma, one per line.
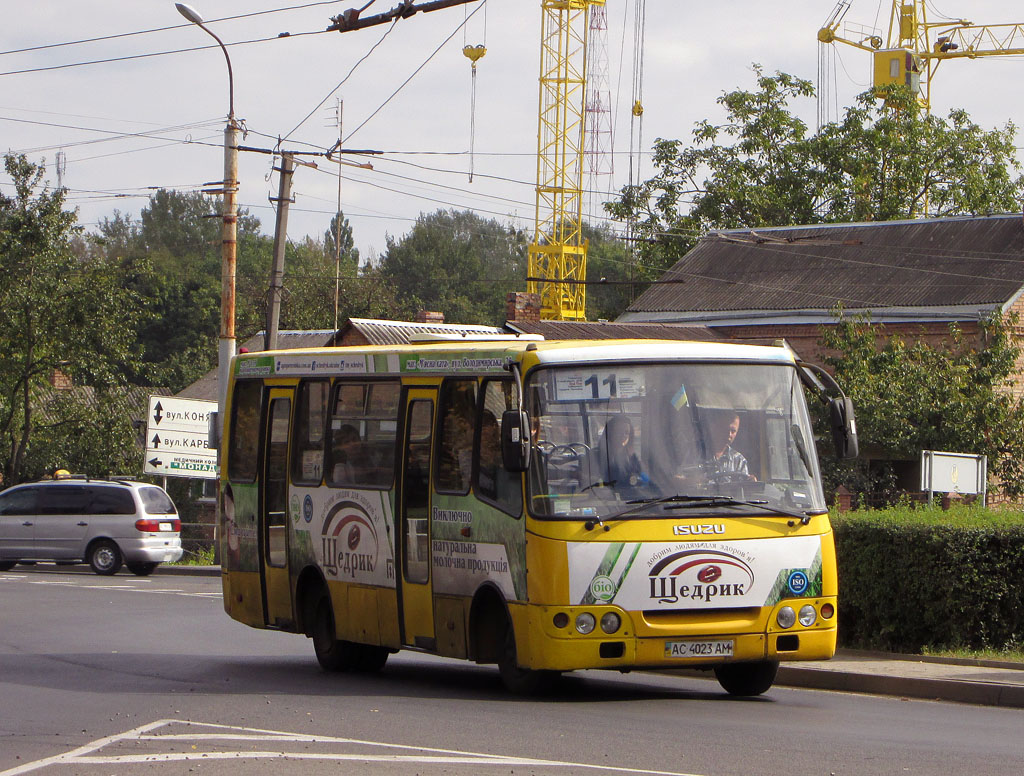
(64,500)
(111,501)
(156,502)
(19,502)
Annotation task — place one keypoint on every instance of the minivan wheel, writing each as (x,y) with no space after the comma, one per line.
(141,569)
(105,558)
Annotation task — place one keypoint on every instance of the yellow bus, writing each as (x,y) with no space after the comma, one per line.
(543,505)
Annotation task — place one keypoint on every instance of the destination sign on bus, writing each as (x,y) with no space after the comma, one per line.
(598,384)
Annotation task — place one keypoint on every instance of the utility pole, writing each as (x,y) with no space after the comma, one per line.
(280,240)
(229,227)
(337,229)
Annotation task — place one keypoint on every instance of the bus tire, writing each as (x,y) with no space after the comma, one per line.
(747,679)
(518,680)
(332,653)
(372,658)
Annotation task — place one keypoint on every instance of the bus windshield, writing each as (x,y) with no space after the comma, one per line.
(648,439)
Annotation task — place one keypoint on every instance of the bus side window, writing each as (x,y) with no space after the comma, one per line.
(457,412)
(308,438)
(245,431)
(494,483)
(363,423)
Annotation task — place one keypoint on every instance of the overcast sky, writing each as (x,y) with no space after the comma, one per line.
(138,123)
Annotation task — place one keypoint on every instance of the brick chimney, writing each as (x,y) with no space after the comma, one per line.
(428,316)
(522,306)
(61,380)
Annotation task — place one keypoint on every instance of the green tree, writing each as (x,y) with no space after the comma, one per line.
(611,274)
(912,396)
(57,311)
(457,263)
(762,167)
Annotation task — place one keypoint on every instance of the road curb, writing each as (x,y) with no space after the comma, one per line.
(960,691)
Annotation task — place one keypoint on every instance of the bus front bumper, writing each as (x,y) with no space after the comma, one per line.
(567,650)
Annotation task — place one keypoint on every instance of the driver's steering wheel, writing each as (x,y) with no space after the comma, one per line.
(727,478)
(567,454)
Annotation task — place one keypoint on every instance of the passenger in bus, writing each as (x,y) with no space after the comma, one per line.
(344,454)
(619,463)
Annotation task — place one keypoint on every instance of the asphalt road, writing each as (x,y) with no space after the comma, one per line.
(127,675)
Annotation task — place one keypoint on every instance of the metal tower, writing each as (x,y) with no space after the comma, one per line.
(558,255)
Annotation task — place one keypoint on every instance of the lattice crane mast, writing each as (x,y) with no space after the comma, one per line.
(557,262)
(915,47)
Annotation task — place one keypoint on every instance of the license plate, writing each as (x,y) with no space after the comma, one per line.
(685,649)
(165,526)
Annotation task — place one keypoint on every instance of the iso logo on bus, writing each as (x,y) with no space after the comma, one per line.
(797,582)
(602,588)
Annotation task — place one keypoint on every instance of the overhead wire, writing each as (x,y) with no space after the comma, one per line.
(118,35)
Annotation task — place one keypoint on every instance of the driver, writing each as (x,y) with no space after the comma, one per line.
(722,432)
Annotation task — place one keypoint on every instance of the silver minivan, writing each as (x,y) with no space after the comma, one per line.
(100,522)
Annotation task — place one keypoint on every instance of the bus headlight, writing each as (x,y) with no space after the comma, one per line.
(786,617)
(807,615)
(585,623)
(610,622)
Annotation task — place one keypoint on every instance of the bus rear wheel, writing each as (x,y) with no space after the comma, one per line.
(747,679)
(332,653)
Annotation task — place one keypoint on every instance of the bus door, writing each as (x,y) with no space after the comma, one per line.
(273,485)
(416,593)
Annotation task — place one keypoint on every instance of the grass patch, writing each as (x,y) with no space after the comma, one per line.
(196,556)
(1002,655)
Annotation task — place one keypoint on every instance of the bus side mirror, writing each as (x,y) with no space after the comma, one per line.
(515,440)
(844,427)
(213,431)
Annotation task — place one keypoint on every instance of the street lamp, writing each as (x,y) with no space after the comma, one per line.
(229,228)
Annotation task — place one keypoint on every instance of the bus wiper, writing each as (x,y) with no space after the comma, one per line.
(729,501)
(667,499)
(639,504)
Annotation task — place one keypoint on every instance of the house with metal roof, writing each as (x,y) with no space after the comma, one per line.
(916,277)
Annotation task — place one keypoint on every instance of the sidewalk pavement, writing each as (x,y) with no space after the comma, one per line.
(983,682)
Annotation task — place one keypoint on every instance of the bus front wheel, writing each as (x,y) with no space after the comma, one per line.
(520,681)
(746,679)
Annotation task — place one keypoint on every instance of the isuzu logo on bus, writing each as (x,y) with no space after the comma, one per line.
(699,575)
(698,530)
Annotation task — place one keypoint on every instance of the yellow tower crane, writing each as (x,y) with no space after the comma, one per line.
(558,255)
(915,46)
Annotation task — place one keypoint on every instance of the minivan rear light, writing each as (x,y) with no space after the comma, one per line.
(150,525)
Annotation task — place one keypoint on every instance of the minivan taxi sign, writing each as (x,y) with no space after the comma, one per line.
(177,438)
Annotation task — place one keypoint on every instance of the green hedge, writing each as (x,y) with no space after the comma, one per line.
(914,578)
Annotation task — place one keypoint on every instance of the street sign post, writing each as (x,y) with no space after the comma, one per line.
(177,438)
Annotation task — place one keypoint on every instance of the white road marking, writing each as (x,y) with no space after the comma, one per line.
(91,754)
(119,586)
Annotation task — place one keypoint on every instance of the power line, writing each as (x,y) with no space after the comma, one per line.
(164,29)
(151,54)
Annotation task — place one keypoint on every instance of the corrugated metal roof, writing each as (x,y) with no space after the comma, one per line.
(555,330)
(923,263)
(379,332)
(206,386)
